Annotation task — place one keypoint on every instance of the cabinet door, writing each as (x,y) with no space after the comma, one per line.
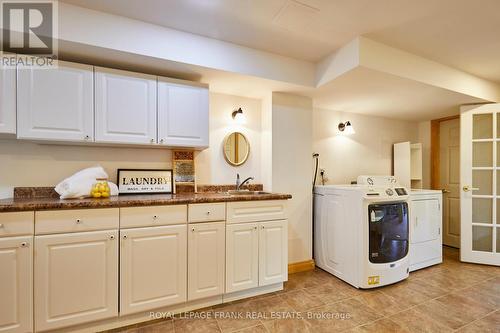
(242,256)
(125,107)
(76,278)
(153,268)
(16,284)
(182,115)
(56,104)
(7,98)
(426,220)
(206,242)
(273,252)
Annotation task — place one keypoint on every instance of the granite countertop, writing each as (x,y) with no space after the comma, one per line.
(50,203)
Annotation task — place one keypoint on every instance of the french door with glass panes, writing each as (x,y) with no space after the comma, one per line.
(480,184)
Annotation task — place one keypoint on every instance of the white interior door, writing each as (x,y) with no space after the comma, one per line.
(480,186)
(449,157)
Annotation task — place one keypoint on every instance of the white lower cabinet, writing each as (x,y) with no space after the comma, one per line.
(242,256)
(153,268)
(206,243)
(273,252)
(256,254)
(16,284)
(76,278)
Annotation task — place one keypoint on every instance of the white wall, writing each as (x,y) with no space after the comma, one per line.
(424,137)
(291,168)
(28,164)
(211,167)
(368,151)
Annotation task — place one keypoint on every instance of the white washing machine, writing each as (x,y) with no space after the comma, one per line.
(361,231)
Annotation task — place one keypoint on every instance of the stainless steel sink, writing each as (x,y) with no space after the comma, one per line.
(246,192)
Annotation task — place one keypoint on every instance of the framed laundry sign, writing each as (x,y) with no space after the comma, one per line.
(141,181)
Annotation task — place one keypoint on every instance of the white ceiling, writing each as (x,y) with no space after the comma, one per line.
(367,91)
(460,33)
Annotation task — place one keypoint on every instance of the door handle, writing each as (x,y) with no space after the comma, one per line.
(468,188)
(445,191)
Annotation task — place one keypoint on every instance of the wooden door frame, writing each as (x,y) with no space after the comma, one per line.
(435,150)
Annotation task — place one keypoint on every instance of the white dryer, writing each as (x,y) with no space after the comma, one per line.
(426,242)
(361,231)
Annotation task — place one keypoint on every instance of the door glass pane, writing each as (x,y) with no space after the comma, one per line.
(482,127)
(482,210)
(498,125)
(498,240)
(482,154)
(482,179)
(482,238)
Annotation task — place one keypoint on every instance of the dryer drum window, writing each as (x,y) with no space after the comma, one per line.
(388,228)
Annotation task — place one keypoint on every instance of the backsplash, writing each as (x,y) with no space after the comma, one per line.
(49,192)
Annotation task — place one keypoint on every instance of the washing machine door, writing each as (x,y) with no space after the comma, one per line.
(388,228)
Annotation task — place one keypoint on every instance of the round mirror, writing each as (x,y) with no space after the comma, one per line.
(236,148)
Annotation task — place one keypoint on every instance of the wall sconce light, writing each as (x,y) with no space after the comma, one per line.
(346,128)
(239,117)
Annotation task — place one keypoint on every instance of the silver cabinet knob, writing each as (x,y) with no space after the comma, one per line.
(78,221)
(112,237)
(155,217)
(262,227)
(152,140)
(24,244)
(193,229)
(161,141)
(255,227)
(87,137)
(208,213)
(125,237)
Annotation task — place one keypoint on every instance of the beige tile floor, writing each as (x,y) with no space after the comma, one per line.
(449,297)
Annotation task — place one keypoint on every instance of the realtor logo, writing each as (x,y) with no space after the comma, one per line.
(28,27)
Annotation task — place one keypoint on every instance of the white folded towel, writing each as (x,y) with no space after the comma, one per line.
(80,184)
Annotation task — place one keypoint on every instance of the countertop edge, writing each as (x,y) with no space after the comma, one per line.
(120,202)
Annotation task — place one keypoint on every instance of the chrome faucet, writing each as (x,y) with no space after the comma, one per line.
(238,184)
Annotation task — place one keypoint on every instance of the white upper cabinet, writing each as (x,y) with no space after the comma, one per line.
(125,107)
(182,114)
(7,99)
(16,284)
(55,104)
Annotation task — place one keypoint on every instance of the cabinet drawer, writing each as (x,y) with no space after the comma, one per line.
(16,224)
(254,211)
(59,221)
(207,212)
(131,217)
